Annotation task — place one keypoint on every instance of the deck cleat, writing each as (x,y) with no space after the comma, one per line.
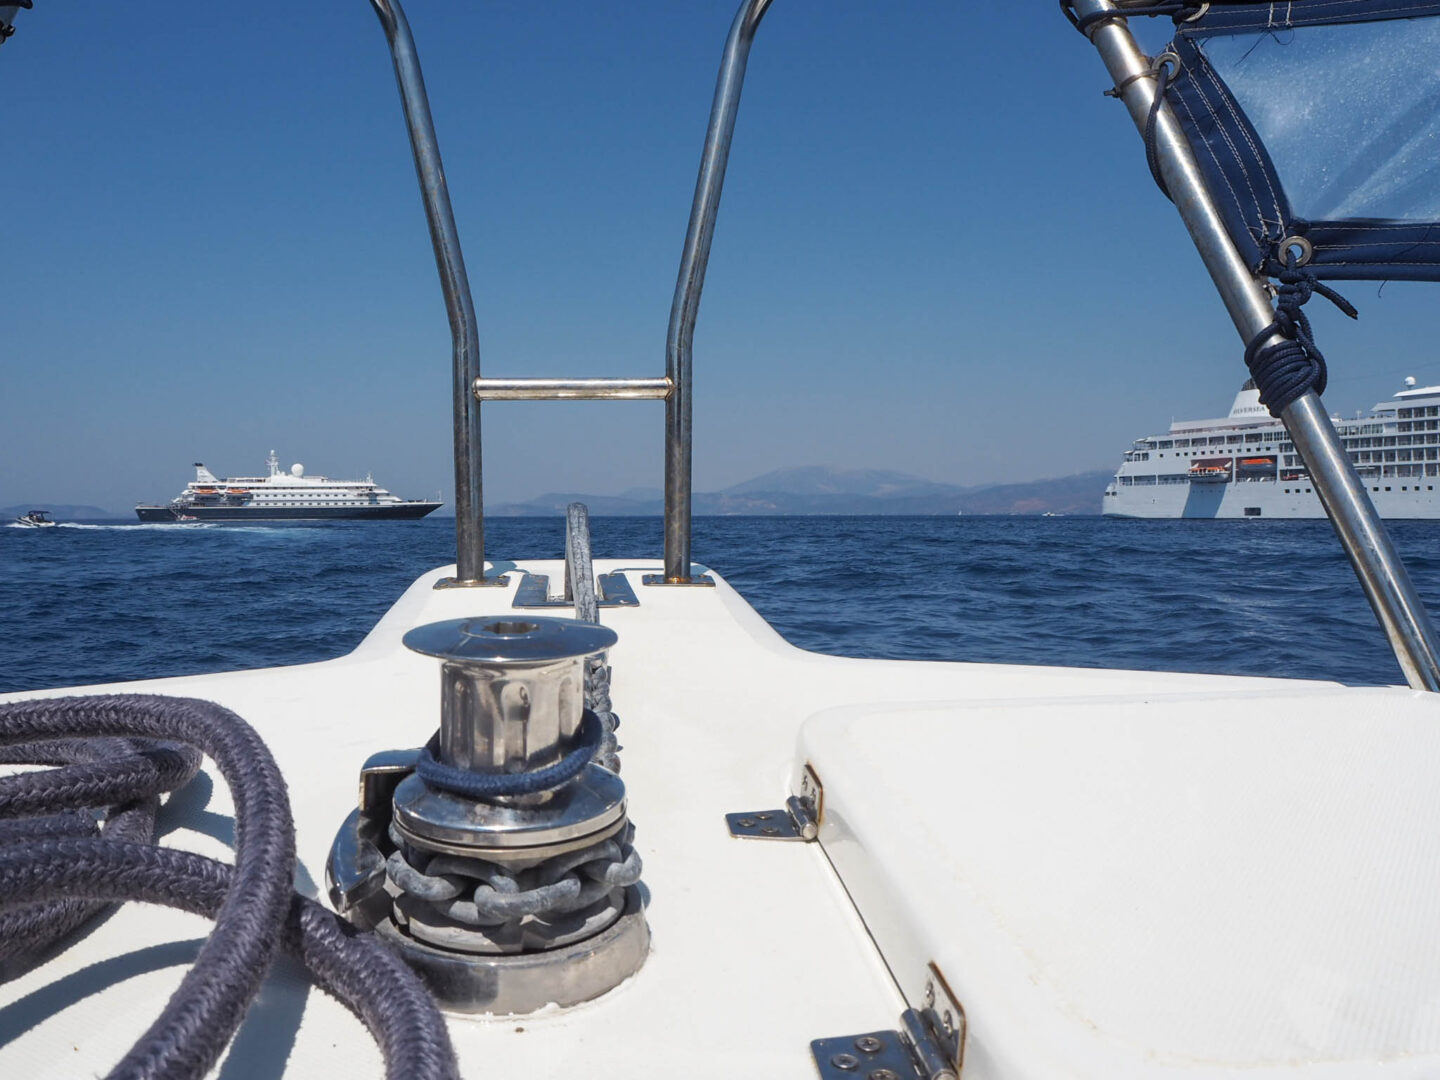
(499,860)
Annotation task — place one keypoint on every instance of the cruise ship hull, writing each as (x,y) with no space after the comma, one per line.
(407,511)
(1260,499)
(1244,466)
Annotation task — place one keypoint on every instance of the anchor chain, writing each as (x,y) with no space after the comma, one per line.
(477,905)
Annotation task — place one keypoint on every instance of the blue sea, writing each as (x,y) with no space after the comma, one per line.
(99,602)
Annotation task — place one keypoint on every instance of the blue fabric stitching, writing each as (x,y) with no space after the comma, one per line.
(1261,236)
(1225,97)
(1222,21)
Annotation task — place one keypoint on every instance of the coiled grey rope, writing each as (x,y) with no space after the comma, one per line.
(122,774)
(49,861)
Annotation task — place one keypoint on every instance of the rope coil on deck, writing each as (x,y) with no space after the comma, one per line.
(117,754)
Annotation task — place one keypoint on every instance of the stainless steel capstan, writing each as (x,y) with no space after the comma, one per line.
(498,859)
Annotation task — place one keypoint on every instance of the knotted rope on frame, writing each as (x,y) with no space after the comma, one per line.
(1285,369)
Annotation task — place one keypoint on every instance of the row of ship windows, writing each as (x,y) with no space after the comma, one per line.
(1270,436)
(1350,434)
(1184,478)
(1350,444)
(1419,410)
(1214,440)
(1376,457)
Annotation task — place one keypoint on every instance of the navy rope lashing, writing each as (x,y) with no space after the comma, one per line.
(487,785)
(1286,369)
(1162,84)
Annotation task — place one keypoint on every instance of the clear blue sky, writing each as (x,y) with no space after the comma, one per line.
(939,249)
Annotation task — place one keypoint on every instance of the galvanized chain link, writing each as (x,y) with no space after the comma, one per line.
(481,906)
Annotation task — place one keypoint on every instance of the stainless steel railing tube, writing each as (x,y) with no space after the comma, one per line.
(459,306)
(1382,575)
(686,305)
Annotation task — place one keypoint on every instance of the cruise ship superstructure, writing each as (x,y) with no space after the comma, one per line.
(1244,465)
(283,496)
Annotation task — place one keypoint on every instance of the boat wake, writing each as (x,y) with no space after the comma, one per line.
(132,528)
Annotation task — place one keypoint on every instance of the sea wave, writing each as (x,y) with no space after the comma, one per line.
(94,604)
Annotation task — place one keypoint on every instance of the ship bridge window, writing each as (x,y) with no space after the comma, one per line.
(1216,440)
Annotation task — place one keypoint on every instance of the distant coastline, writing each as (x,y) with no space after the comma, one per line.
(821,490)
(814,490)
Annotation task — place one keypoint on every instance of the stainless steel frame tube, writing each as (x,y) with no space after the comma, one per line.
(572,389)
(1382,575)
(469,506)
(686,305)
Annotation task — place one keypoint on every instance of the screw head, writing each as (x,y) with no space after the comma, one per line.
(770,830)
(747,823)
(883,1074)
(869,1044)
(845,1062)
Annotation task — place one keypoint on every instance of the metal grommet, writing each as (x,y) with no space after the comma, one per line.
(1169,56)
(1199,14)
(1304,250)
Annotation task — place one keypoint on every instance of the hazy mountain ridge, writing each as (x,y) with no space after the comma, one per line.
(818,489)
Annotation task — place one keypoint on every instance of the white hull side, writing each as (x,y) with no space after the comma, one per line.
(1231,500)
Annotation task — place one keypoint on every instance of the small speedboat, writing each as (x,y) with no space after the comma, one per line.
(36,519)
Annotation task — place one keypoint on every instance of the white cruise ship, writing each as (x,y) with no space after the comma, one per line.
(1243,465)
(283,496)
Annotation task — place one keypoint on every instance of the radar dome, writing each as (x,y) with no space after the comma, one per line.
(297,470)
(1409,380)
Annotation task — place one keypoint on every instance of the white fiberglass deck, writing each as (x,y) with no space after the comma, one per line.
(1122,874)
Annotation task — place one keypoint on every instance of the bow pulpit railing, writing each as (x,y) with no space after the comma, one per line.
(471,388)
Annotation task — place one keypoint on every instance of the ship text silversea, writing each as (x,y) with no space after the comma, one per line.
(1244,465)
(283,496)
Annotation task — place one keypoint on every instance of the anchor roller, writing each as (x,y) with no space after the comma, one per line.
(499,859)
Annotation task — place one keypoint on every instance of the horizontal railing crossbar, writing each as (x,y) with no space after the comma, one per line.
(588,389)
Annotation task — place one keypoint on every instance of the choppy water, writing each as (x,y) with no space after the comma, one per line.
(97,603)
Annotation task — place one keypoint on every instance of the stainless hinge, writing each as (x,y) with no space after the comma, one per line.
(798,820)
(929,1044)
(613,591)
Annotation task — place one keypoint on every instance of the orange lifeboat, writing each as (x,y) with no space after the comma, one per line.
(1210,471)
